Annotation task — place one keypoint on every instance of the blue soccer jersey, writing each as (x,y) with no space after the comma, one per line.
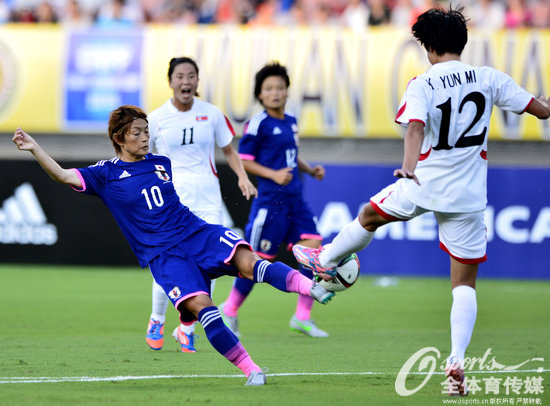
(273,143)
(143,201)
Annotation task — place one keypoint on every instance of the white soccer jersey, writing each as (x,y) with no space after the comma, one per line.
(188,138)
(454,101)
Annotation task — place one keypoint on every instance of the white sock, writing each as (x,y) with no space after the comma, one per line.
(160,303)
(190,329)
(352,238)
(463,319)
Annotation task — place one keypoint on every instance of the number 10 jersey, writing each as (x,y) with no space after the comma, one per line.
(454,101)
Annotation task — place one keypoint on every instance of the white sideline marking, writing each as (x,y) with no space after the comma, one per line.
(51,379)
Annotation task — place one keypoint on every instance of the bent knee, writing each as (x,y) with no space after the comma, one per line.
(369,219)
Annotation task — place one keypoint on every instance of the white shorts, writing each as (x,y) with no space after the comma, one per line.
(462,235)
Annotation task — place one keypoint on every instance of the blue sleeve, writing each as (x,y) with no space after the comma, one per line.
(92,178)
(249,146)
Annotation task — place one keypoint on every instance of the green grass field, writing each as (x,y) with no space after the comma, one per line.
(75,335)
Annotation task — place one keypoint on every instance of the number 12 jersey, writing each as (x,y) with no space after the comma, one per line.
(454,101)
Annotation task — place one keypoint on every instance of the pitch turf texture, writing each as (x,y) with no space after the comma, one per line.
(76,336)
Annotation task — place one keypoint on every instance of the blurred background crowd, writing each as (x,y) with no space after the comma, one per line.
(355,14)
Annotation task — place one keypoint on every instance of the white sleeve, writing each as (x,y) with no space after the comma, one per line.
(223,130)
(414,105)
(509,95)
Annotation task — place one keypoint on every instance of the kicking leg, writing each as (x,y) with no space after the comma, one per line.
(278,275)
(354,237)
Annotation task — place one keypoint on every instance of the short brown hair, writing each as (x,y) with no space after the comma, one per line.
(118,123)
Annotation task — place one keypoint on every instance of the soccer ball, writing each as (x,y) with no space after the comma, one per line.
(347,273)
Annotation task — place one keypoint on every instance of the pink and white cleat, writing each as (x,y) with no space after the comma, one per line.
(309,257)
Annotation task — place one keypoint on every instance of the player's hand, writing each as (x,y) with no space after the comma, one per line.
(545,102)
(318,172)
(247,188)
(404,173)
(23,140)
(283,176)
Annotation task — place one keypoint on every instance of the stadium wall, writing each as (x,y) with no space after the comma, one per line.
(344,84)
(43,222)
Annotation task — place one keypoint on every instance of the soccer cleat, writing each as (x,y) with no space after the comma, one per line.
(307,327)
(155,335)
(457,382)
(232,322)
(309,257)
(187,341)
(321,294)
(256,378)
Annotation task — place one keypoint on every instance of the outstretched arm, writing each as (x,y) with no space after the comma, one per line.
(540,108)
(25,142)
(413,145)
(236,164)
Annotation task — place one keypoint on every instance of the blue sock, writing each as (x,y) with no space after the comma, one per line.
(219,335)
(273,273)
(244,286)
(224,341)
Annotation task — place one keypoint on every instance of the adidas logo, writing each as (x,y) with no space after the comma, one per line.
(22,220)
(276,131)
(124,174)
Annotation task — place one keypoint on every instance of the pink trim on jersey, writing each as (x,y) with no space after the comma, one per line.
(229,125)
(247,157)
(528,104)
(82,183)
(316,237)
(483,154)
(425,154)
(264,255)
(383,213)
(417,120)
(213,170)
(466,261)
(201,292)
(311,237)
(230,257)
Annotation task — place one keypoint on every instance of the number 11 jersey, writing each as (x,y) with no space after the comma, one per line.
(454,101)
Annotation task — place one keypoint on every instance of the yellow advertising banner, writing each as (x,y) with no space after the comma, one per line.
(30,77)
(342,83)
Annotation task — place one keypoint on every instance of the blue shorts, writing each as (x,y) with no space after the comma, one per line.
(186,269)
(270,224)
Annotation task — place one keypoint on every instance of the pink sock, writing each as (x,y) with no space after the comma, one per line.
(233,302)
(240,358)
(296,282)
(303,308)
